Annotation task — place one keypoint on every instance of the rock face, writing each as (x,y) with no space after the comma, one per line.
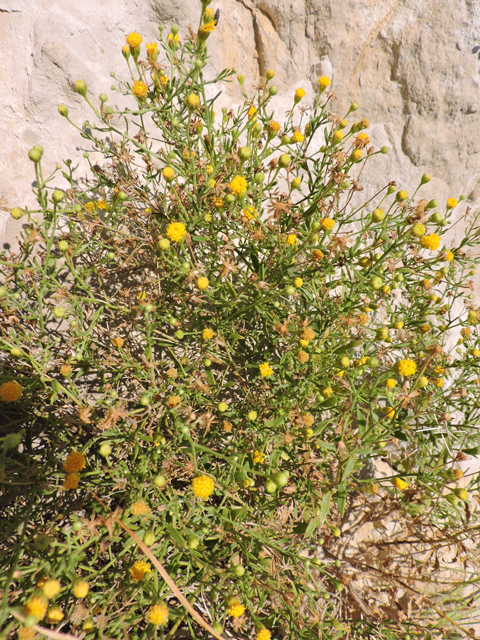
(412,66)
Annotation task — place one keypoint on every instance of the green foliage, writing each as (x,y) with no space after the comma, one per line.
(232,341)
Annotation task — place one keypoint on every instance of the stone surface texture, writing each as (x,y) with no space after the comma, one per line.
(411,65)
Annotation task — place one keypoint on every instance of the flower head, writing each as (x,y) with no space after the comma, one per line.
(75,462)
(140,508)
(51,588)
(134,39)
(291,239)
(406,367)
(250,213)
(205,30)
(168,173)
(258,457)
(263,634)
(158,614)
(449,256)
(251,113)
(303,357)
(299,94)
(323,83)
(430,242)
(298,136)
(173,40)
(202,487)
(273,127)
(202,283)
(36,607)
(298,282)
(54,614)
(391,383)
(139,569)
(152,50)
(10,391)
(176,231)
(71,481)
(117,342)
(327,224)
(265,370)
(451,203)
(81,589)
(400,484)
(193,101)
(235,609)
(139,89)
(238,185)
(208,334)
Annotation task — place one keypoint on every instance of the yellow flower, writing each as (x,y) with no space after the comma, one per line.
(81,589)
(292,239)
(90,206)
(134,39)
(439,382)
(258,457)
(176,231)
(303,357)
(391,383)
(164,79)
(238,185)
(317,255)
(54,614)
(10,391)
(51,588)
(158,614)
(427,283)
(298,282)
(406,367)
(472,317)
(449,256)
(235,609)
(139,89)
(152,50)
(168,173)
(323,83)
(249,213)
(308,334)
(273,127)
(140,508)
(205,30)
(389,412)
(356,155)
(327,224)
(117,342)
(263,634)
(102,204)
(36,607)
(251,113)
(451,203)
(193,101)
(208,334)
(400,484)
(65,370)
(476,353)
(431,242)
(337,136)
(139,569)
(265,370)
(75,462)
(202,283)
(362,140)
(71,481)
(439,370)
(299,94)
(173,41)
(202,487)
(298,136)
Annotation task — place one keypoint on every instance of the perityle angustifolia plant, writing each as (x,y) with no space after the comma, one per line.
(207,345)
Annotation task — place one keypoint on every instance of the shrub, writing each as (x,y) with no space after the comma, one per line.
(208,346)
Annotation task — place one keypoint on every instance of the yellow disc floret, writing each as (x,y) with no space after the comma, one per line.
(265,370)
(75,462)
(406,367)
(10,391)
(202,487)
(158,614)
(139,570)
(139,89)
(176,231)
(431,242)
(134,39)
(238,185)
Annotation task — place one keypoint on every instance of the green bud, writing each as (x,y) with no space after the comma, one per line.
(160,481)
(63,246)
(259,177)
(425,178)
(34,155)
(384,150)
(284,160)
(80,87)
(432,204)
(391,189)
(353,107)
(63,110)
(273,90)
(57,196)
(285,140)
(179,334)
(175,29)
(222,407)
(105,449)
(59,312)
(244,153)
(103,97)
(241,79)
(229,198)
(16,213)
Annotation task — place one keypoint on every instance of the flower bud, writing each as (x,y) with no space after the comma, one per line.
(241,79)
(384,150)
(270,74)
(57,196)
(425,178)
(273,90)
(284,160)
(391,189)
(16,213)
(80,87)
(34,155)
